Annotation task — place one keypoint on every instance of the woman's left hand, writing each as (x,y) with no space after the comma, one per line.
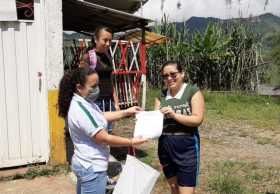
(168,112)
(133,110)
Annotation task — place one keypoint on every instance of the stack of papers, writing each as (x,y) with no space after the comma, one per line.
(149,124)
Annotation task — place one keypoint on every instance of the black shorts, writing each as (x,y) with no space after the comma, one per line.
(179,156)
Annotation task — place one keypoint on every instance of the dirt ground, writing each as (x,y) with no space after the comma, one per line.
(251,149)
(236,158)
(59,184)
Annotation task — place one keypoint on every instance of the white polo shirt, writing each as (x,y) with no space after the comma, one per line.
(84,121)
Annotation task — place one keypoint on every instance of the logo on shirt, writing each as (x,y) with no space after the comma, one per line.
(183,109)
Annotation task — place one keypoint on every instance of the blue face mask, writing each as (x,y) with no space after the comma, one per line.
(93,94)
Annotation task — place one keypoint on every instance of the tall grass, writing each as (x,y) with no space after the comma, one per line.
(225,179)
(226,56)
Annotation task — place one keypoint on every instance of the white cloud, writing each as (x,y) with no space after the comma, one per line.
(208,8)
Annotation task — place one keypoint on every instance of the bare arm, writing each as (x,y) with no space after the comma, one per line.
(117,115)
(102,137)
(193,120)
(157,104)
(84,62)
(116,100)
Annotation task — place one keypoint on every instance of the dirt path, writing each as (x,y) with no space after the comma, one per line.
(255,150)
(59,184)
(240,141)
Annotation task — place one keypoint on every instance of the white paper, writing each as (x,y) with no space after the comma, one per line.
(149,124)
(8,11)
(136,178)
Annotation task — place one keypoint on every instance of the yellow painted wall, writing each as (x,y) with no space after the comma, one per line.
(57,136)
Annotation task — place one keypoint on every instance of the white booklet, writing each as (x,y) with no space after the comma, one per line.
(149,124)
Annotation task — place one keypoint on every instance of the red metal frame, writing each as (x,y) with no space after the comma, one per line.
(123,74)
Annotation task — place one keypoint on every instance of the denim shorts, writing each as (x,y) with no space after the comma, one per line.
(89,181)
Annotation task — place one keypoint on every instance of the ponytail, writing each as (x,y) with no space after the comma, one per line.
(65,94)
(67,88)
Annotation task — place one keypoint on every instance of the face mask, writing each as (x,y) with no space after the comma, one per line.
(93,94)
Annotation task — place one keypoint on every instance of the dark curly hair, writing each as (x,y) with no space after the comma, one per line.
(67,88)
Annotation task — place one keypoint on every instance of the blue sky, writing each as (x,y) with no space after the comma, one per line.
(208,8)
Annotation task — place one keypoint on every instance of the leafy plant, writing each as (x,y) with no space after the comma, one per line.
(225,57)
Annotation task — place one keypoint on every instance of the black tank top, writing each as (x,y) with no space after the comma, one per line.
(104,69)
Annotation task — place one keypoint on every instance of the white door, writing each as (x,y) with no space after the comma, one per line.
(24,132)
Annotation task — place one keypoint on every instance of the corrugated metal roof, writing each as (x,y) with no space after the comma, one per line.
(129,6)
(81,15)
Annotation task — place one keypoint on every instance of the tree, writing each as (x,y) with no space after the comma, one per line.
(275,57)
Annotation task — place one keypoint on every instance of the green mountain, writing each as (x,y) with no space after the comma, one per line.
(263,24)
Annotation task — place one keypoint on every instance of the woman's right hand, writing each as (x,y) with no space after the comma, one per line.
(133,110)
(137,141)
(168,111)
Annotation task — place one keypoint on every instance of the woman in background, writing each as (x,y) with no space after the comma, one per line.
(99,60)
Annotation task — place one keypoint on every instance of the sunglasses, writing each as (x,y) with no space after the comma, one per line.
(172,75)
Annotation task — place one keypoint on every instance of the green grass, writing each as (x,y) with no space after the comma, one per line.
(39,170)
(150,157)
(224,180)
(235,177)
(152,93)
(264,140)
(260,111)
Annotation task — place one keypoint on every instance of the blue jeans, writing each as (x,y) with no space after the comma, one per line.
(105,106)
(89,181)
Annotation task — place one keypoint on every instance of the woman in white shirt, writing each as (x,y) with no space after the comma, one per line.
(88,129)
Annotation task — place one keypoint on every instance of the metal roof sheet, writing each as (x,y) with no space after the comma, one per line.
(129,6)
(79,15)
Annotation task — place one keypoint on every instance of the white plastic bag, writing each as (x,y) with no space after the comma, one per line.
(136,178)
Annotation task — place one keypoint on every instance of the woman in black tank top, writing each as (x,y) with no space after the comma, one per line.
(107,100)
(101,43)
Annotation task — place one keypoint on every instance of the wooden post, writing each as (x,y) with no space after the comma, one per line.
(144,78)
(167,53)
(257,74)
